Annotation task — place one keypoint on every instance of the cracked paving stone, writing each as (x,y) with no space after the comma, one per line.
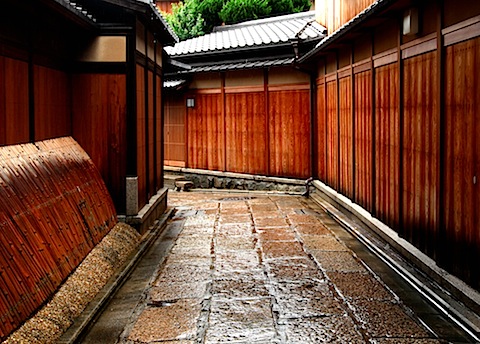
(312,229)
(171,291)
(184,273)
(323,243)
(386,319)
(331,329)
(338,261)
(276,249)
(234,243)
(308,299)
(240,321)
(242,287)
(175,321)
(355,285)
(294,270)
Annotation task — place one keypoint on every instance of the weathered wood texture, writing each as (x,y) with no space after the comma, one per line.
(334,13)
(159,133)
(52,96)
(321,132)
(363,143)
(205,133)
(346,136)
(246,132)
(387,144)
(421,131)
(14,101)
(174,130)
(52,214)
(141,137)
(462,160)
(289,132)
(99,126)
(332,152)
(150,122)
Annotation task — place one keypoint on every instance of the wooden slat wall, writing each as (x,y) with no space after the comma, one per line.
(151,188)
(159,132)
(246,132)
(99,117)
(289,128)
(334,13)
(14,112)
(321,133)
(52,103)
(462,160)
(52,214)
(141,137)
(420,152)
(174,130)
(205,133)
(332,135)
(363,139)
(346,136)
(387,152)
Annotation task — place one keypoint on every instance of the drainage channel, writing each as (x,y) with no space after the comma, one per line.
(441,314)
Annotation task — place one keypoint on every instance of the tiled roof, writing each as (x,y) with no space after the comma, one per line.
(173,83)
(347,27)
(252,34)
(77,9)
(237,65)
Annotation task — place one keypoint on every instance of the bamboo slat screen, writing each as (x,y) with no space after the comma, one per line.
(246,132)
(363,139)
(205,133)
(99,117)
(462,191)
(346,136)
(421,131)
(14,101)
(387,138)
(332,135)
(52,213)
(52,103)
(289,133)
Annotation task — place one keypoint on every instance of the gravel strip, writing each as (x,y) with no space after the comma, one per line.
(51,321)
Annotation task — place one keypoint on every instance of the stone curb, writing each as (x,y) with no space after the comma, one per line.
(94,308)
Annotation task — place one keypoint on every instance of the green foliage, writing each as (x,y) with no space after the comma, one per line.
(186,19)
(301,5)
(209,10)
(193,18)
(236,11)
(281,6)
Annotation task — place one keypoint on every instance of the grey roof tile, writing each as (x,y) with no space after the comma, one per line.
(253,33)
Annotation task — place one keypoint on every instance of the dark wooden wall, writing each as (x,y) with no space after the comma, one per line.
(396,140)
(174,129)
(99,125)
(262,129)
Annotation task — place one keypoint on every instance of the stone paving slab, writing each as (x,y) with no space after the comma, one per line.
(266,269)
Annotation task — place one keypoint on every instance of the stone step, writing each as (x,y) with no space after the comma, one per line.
(183,185)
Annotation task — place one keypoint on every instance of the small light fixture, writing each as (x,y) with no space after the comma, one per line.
(190,102)
(410,22)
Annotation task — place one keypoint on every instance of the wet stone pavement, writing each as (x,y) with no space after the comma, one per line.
(265,269)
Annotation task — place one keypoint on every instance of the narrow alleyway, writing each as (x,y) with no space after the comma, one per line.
(250,268)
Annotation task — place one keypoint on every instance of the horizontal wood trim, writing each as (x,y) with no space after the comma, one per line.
(345,72)
(320,80)
(206,91)
(385,58)
(363,67)
(331,77)
(175,163)
(463,31)
(419,49)
(292,87)
(243,89)
(100,68)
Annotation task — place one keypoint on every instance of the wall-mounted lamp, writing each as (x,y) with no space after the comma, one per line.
(190,102)
(410,22)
